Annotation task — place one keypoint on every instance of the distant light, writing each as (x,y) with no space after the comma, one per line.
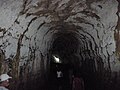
(57,60)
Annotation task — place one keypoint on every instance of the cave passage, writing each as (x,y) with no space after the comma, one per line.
(65,47)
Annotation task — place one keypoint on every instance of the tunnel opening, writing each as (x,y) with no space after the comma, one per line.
(66,47)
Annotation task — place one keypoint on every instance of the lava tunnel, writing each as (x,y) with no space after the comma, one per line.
(68,47)
(41,40)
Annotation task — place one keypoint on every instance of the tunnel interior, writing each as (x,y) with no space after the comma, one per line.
(83,34)
(66,47)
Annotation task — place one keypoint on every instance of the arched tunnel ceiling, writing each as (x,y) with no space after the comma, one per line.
(32,26)
(71,46)
(29,29)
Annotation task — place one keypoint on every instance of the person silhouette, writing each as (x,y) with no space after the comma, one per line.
(4,81)
(78,82)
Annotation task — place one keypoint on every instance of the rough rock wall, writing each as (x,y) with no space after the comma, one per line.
(27,26)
